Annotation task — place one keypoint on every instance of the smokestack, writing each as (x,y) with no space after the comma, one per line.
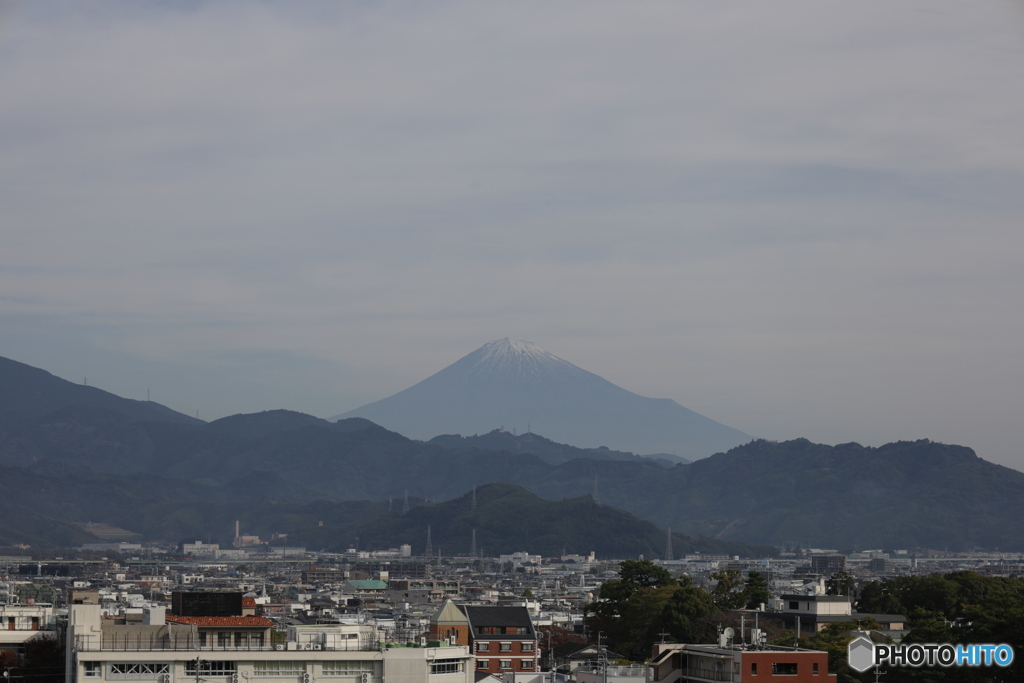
(237,528)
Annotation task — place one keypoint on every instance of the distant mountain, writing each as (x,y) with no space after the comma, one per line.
(258,425)
(92,461)
(27,392)
(519,384)
(509,518)
(547,450)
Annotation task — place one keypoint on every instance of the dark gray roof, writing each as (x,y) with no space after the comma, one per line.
(567,649)
(483,615)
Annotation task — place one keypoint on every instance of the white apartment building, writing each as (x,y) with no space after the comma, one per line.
(22,622)
(169,649)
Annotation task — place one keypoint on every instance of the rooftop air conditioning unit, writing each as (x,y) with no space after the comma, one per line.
(279,647)
(308,646)
(316,646)
(365,678)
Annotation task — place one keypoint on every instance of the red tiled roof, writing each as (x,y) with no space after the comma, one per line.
(248,601)
(222,621)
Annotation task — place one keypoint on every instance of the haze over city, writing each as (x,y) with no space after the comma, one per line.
(797,219)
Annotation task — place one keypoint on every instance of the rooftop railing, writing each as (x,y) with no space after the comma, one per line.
(144,643)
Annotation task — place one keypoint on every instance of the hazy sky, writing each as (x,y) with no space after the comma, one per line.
(797,218)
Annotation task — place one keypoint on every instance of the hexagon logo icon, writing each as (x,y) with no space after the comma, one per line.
(861,654)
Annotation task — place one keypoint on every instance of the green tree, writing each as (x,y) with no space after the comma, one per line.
(43,661)
(528,593)
(756,592)
(685,616)
(630,610)
(728,590)
(645,573)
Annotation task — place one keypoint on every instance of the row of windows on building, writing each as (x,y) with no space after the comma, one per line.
(524,646)
(229,639)
(503,630)
(784,669)
(144,671)
(524,664)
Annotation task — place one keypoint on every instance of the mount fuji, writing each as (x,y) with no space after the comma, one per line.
(519,384)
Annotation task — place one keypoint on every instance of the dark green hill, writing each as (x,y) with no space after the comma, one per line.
(547,450)
(27,392)
(904,494)
(509,518)
(256,425)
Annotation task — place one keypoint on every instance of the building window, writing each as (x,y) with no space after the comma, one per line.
(483,647)
(92,670)
(223,639)
(527,646)
(506,647)
(793,604)
(210,668)
(278,668)
(525,663)
(138,671)
(202,639)
(256,640)
(446,666)
(753,668)
(481,664)
(239,639)
(505,664)
(814,668)
(343,668)
(783,668)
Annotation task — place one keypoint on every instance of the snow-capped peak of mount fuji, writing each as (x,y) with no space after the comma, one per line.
(518,384)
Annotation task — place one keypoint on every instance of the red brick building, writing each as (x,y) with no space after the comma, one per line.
(500,638)
(676,663)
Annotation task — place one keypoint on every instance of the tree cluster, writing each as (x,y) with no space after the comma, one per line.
(647,605)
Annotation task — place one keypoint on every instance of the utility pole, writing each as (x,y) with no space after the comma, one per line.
(199,664)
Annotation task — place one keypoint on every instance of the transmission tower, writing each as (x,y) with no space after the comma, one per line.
(430,549)
(668,545)
(405,506)
(473,504)
(597,496)
(472,547)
